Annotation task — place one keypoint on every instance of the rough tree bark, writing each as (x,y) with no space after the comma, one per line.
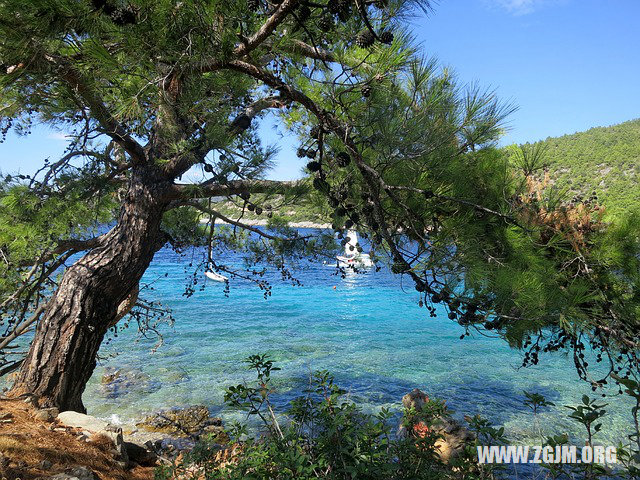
(62,356)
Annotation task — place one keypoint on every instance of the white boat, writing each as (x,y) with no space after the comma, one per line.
(352,257)
(216,277)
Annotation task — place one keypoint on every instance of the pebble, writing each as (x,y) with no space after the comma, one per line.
(77,473)
(43,416)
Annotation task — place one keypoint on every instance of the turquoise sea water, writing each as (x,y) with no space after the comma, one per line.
(368,331)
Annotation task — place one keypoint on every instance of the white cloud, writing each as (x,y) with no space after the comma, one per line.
(57,136)
(518,7)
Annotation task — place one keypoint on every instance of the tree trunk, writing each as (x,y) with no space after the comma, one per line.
(62,355)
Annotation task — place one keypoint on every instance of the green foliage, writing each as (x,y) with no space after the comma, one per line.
(33,226)
(629,455)
(325,435)
(480,230)
(184,227)
(535,401)
(587,414)
(151,90)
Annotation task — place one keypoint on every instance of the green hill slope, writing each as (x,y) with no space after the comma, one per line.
(604,159)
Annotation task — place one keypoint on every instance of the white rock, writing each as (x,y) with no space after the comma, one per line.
(80,420)
(78,473)
(94,426)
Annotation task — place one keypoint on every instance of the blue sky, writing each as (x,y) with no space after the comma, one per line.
(567,64)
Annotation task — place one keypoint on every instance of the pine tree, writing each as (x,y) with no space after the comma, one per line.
(152,90)
(146,91)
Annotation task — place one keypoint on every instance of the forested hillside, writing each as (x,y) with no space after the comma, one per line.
(604,159)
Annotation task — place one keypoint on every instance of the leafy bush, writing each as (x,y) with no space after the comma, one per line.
(326,436)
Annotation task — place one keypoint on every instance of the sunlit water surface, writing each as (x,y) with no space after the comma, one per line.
(366,329)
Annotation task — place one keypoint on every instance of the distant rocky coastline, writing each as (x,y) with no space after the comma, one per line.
(262,222)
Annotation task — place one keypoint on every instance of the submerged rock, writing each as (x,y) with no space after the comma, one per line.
(193,421)
(173,376)
(116,382)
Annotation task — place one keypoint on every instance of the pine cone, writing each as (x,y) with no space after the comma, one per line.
(343,159)
(386,37)
(106,6)
(325,23)
(321,185)
(304,12)
(315,132)
(242,121)
(365,39)
(344,6)
(124,16)
(314,166)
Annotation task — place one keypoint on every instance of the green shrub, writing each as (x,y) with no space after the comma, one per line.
(324,435)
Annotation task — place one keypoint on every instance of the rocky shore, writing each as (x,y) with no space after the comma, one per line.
(43,443)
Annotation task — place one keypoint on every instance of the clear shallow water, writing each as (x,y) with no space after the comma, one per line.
(368,331)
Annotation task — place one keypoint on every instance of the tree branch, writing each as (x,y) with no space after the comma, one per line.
(371,176)
(182,163)
(207,189)
(266,29)
(236,223)
(249,44)
(68,245)
(310,51)
(459,200)
(21,328)
(109,124)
